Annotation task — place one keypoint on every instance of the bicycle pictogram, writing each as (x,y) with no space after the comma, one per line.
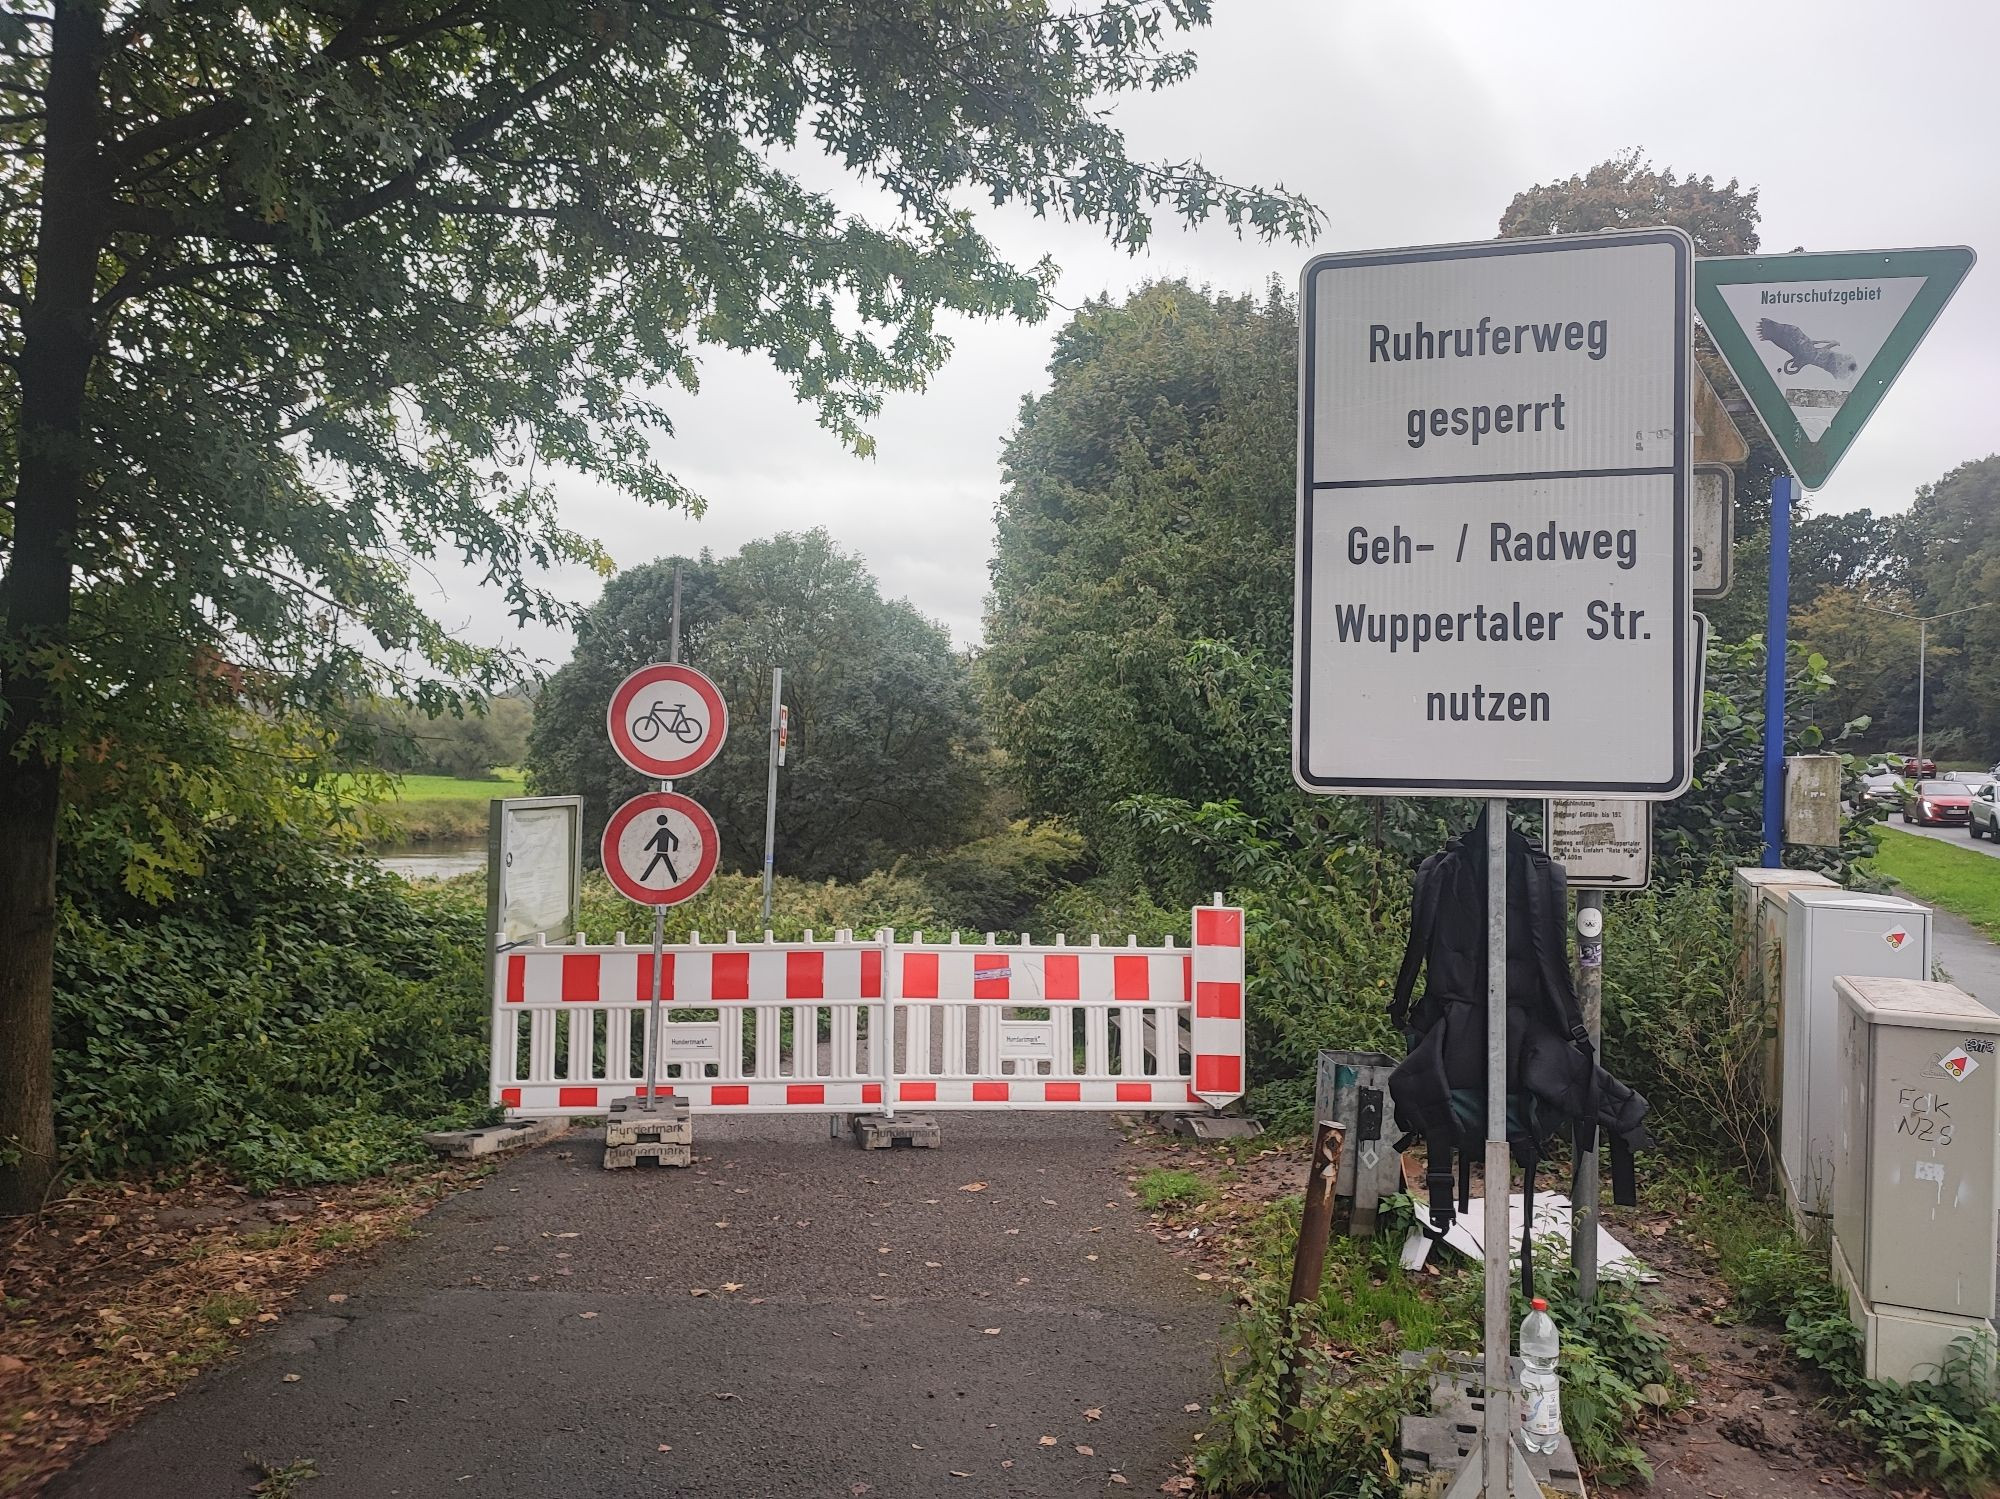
(657,721)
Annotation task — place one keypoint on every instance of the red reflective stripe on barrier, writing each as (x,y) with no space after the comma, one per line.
(1059,978)
(1131,978)
(1218,1074)
(992,975)
(871,975)
(1218,927)
(805,975)
(727,1093)
(1187,976)
(920,975)
(510,1098)
(1218,1001)
(1135,1092)
(579,978)
(806,1093)
(729,978)
(989,1092)
(517,979)
(1062,1092)
(640,1092)
(916,1092)
(871,1092)
(576,1098)
(644,987)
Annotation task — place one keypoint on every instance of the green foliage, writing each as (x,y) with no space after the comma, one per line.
(1942,1432)
(1684,1024)
(1628,192)
(469,741)
(1164,1187)
(998,883)
(884,733)
(1148,504)
(1719,821)
(294,1015)
(1338,1442)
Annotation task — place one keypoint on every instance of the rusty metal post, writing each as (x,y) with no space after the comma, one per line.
(1309,1254)
(1316,1223)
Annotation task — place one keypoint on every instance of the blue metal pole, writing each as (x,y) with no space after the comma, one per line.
(1784,493)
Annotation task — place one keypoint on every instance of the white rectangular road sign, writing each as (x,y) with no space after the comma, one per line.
(1713,522)
(1493,550)
(1602,843)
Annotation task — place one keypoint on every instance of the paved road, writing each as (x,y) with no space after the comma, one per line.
(542,1337)
(1967,955)
(1957,837)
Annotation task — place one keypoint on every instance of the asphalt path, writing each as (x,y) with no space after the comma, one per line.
(789,1316)
(1956,836)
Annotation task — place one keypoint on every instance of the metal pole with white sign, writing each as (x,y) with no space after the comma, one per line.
(771,785)
(1585,1211)
(1493,581)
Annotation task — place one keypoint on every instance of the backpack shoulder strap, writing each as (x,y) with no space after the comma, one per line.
(1424,897)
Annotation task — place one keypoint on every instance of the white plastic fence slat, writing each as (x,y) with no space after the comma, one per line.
(948,1024)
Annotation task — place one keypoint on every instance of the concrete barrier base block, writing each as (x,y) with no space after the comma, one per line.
(1218,1126)
(1436,1447)
(659,1152)
(630,1122)
(515,1134)
(917,1131)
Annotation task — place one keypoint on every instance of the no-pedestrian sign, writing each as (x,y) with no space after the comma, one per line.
(667,720)
(1493,588)
(659,849)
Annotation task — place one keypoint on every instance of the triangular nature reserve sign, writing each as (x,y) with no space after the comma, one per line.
(1817,340)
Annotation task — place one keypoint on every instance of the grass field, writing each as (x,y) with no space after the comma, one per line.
(1961,881)
(430,809)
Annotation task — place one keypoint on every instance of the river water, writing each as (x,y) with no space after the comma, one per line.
(439,860)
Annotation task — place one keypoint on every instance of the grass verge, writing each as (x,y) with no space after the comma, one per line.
(434,809)
(1962,880)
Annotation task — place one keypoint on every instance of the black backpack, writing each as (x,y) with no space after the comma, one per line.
(1553,1080)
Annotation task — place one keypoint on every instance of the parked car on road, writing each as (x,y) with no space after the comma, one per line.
(1883,786)
(1913,767)
(1982,812)
(1930,803)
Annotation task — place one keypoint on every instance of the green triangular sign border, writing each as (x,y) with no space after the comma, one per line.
(1814,462)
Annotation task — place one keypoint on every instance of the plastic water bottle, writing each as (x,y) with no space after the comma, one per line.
(1541,1389)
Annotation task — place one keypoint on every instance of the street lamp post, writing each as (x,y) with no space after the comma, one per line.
(1923,622)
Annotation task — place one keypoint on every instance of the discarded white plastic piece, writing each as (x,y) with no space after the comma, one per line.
(1552,1221)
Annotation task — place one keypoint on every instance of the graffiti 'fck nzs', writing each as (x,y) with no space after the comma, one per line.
(1802,350)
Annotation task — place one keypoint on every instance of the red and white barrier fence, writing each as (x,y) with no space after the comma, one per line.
(773,1027)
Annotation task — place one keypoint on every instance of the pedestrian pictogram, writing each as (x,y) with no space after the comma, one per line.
(660,849)
(667,721)
(1816,340)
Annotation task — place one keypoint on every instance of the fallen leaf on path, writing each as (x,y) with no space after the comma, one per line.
(697,1290)
(724,1394)
(722,1223)
(1091,1257)
(1203,1275)
(991,1332)
(1118,1478)
(1013,1230)
(291,1379)
(1095,1413)
(973,1187)
(586,1315)
(337,1297)
(1048,1202)
(1006,1462)
(956,1474)
(1046,1442)
(1083,1451)
(883,1249)
(932,1265)
(267,1316)
(1192,1406)
(732,1285)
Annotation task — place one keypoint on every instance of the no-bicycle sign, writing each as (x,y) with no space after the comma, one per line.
(1493,551)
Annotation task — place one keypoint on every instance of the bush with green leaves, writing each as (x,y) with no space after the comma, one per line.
(294,1015)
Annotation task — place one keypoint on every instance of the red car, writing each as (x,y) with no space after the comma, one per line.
(1938,802)
(1913,767)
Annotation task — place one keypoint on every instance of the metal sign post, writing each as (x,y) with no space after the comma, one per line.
(1583,1216)
(771,784)
(1493,588)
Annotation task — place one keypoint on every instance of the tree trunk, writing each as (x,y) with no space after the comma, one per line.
(58,345)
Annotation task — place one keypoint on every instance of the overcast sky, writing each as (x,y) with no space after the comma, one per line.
(1865,126)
